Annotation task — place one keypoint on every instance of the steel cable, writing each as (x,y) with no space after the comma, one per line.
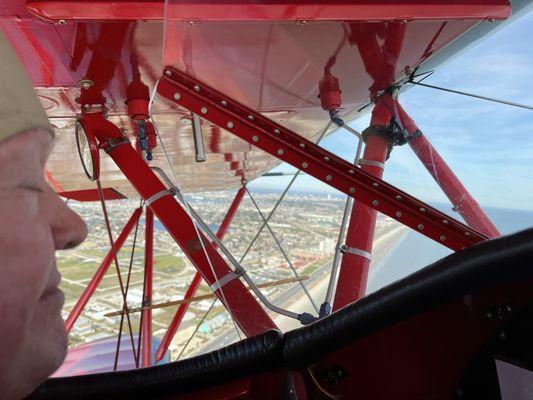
(285,255)
(119,275)
(188,208)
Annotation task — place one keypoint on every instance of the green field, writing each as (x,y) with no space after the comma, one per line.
(168,263)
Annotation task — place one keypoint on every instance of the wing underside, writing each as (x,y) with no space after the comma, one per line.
(272,65)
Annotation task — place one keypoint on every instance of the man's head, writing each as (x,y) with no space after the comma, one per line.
(34,223)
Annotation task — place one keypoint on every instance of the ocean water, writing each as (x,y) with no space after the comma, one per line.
(415,251)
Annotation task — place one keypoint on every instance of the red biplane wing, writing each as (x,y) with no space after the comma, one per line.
(264,80)
(269,56)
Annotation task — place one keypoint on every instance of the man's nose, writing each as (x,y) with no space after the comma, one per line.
(69,230)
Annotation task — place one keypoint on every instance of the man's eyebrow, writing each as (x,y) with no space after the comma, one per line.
(29,186)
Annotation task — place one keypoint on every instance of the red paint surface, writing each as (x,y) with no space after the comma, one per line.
(92,195)
(246,311)
(193,287)
(404,353)
(353,272)
(450,184)
(290,147)
(272,66)
(246,10)
(459,196)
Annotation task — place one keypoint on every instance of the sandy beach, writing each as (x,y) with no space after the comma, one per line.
(382,245)
(317,288)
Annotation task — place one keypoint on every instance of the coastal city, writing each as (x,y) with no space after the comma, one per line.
(305,225)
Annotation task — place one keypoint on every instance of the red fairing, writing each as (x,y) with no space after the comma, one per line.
(151,136)
(330,92)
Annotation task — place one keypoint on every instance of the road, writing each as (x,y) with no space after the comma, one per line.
(295,300)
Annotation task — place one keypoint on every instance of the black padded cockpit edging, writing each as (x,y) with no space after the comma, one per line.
(249,356)
(483,265)
(488,263)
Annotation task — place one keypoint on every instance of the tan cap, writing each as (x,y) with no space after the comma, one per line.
(20,109)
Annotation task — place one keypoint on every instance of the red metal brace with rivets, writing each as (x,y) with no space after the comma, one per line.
(292,148)
(246,311)
(195,284)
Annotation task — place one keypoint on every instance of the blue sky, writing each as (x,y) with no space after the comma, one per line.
(489,146)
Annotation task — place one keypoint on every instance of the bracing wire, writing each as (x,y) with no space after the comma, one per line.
(280,199)
(475,96)
(117,268)
(126,293)
(236,265)
(196,329)
(285,255)
(326,306)
(188,209)
(141,318)
(304,317)
(325,309)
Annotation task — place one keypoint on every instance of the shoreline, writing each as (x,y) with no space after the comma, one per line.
(299,302)
(381,247)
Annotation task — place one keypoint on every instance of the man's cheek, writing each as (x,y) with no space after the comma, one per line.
(27,259)
(18,315)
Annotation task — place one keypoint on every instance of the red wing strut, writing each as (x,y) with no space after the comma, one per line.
(292,148)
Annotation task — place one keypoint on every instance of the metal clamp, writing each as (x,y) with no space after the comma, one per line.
(173,189)
(226,279)
(157,196)
(111,144)
(357,252)
(373,163)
